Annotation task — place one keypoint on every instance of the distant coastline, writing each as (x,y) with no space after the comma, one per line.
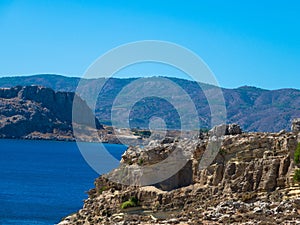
(254,109)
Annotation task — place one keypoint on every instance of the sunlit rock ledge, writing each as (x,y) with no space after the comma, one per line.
(250,180)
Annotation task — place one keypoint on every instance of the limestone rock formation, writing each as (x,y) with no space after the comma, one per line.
(249,181)
(225,129)
(296,125)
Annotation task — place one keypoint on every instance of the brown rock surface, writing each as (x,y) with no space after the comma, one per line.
(296,125)
(249,182)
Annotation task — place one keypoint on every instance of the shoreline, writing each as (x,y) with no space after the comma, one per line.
(109,140)
(56,140)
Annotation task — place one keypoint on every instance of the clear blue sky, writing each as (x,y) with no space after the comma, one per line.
(244,42)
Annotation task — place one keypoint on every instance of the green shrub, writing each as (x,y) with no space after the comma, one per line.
(132,202)
(127,204)
(297,175)
(297,154)
(141,161)
(103,188)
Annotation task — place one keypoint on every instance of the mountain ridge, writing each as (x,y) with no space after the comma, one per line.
(7,78)
(255,109)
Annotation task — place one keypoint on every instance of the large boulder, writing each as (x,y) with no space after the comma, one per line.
(233,129)
(225,129)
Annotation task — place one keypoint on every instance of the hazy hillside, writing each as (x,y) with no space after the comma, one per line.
(55,82)
(253,108)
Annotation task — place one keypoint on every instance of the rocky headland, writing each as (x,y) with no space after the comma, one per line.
(34,112)
(40,113)
(252,180)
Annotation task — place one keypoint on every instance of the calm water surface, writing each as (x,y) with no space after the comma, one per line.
(43,181)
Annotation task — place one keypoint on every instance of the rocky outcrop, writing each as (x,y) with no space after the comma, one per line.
(296,125)
(233,129)
(34,112)
(248,182)
(225,129)
(252,162)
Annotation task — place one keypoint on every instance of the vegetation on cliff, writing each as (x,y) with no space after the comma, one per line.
(132,202)
(297,154)
(297,175)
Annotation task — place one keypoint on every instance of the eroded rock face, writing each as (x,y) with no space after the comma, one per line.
(233,129)
(38,112)
(296,125)
(249,181)
(182,178)
(252,162)
(156,158)
(225,129)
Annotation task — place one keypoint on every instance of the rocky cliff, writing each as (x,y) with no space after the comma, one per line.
(250,181)
(34,112)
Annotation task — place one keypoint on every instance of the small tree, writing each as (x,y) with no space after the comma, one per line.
(297,154)
(297,175)
(132,202)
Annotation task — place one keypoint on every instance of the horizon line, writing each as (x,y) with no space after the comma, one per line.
(137,77)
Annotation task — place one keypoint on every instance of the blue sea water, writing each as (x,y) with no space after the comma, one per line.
(43,181)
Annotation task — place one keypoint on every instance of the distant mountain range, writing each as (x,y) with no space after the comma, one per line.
(254,109)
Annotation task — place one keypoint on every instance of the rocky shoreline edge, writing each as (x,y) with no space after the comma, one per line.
(252,180)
